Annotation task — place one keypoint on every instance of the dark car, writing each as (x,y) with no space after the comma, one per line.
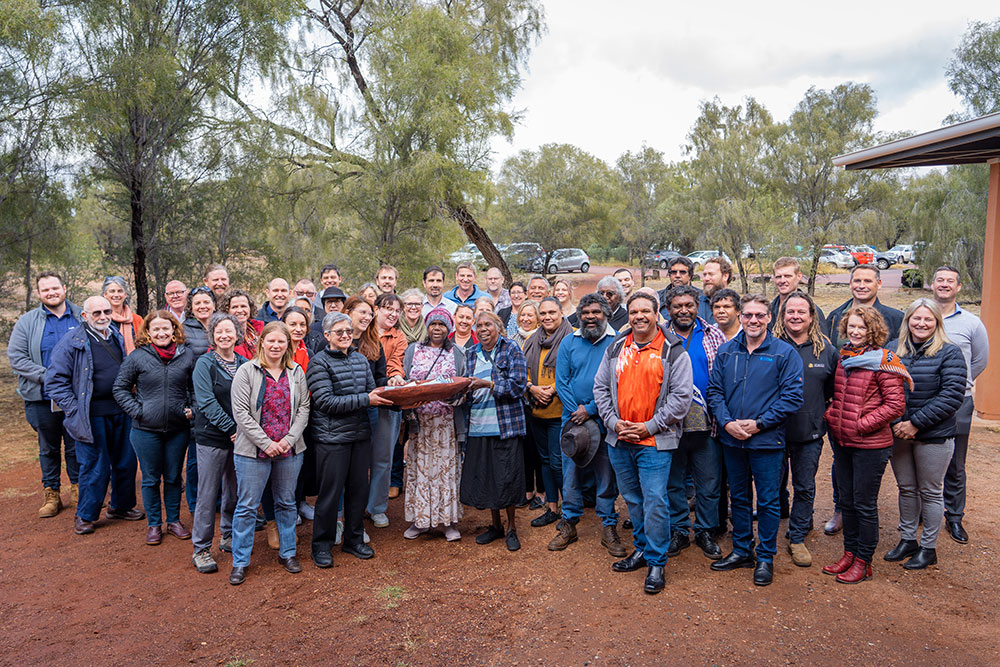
(659,258)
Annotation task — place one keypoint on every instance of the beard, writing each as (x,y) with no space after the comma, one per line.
(593,332)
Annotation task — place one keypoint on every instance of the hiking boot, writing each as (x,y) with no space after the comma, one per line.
(800,554)
(74,494)
(272,535)
(204,563)
(611,541)
(52,504)
(565,536)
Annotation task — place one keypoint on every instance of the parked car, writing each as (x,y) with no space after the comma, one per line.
(863,253)
(699,257)
(839,258)
(903,253)
(563,259)
(861,256)
(885,260)
(467,253)
(519,255)
(659,258)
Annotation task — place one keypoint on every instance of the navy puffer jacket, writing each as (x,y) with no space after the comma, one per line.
(339,384)
(938,391)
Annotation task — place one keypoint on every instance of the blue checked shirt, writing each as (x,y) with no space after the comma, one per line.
(510,382)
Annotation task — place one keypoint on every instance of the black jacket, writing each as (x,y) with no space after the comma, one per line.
(938,391)
(339,384)
(818,373)
(213,415)
(776,310)
(195,337)
(504,314)
(162,389)
(893,319)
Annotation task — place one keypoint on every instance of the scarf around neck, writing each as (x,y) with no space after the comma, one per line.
(166,353)
(414,333)
(540,340)
(127,328)
(874,359)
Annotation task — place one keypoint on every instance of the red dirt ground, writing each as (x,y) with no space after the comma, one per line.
(107,598)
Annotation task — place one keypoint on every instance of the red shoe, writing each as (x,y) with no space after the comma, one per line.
(841,565)
(858,572)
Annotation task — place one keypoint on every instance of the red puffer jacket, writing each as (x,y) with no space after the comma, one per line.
(864,405)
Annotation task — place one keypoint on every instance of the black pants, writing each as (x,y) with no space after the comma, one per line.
(341,468)
(803,458)
(859,478)
(954,479)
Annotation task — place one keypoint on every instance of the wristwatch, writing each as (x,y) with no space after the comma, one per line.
(760,427)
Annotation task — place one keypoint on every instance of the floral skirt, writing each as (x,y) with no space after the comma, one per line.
(433,471)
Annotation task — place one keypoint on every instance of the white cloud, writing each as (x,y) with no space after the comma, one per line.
(609,76)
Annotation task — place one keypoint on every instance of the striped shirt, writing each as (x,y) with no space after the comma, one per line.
(483,421)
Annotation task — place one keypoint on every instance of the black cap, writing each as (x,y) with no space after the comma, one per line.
(333,293)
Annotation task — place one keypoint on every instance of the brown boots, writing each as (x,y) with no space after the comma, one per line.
(52,504)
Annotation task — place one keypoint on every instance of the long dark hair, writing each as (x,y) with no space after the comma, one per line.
(369,343)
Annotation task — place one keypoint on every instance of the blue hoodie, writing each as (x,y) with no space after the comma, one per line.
(576,368)
(452,295)
(765,385)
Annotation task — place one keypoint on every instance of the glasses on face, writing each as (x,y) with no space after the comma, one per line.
(300,292)
(341,333)
(391,311)
(106,312)
(178,292)
(754,316)
(608,294)
(412,305)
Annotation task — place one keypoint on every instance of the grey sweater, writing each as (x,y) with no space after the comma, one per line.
(969,333)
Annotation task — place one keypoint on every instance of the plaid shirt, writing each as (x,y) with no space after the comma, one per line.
(710,341)
(510,382)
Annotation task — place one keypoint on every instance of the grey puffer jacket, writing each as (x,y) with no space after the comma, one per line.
(162,389)
(339,384)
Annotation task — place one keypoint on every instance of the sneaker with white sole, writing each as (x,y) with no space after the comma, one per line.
(226,544)
(306,511)
(204,563)
(413,532)
(380,520)
(451,533)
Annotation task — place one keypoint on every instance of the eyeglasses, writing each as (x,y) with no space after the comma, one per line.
(754,316)
(106,311)
(412,305)
(304,293)
(340,333)
(177,292)
(609,293)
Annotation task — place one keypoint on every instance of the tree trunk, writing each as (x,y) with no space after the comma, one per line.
(478,235)
(27,276)
(139,252)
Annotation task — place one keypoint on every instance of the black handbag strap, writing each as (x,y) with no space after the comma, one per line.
(110,349)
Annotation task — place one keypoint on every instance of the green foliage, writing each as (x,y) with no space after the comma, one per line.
(647,182)
(974,72)
(558,196)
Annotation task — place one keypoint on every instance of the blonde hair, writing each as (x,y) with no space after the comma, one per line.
(528,303)
(938,339)
(288,359)
(816,337)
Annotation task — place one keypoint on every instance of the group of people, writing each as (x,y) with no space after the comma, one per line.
(680,400)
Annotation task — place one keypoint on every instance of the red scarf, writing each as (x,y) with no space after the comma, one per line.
(166,353)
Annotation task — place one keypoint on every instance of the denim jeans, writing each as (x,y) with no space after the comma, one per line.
(52,438)
(251,476)
(698,455)
(161,455)
(545,433)
(191,474)
(750,470)
(642,473)
(110,458)
(217,476)
(383,444)
(859,477)
(607,487)
(803,460)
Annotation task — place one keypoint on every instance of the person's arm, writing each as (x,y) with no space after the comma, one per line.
(980,350)
(243,404)
(300,420)
(602,393)
(125,381)
(19,354)
(564,377)
(58,377)
(950,394)
(790,395)
(890,387)
(394,359)
(204,396)
(680,388)
(514,381)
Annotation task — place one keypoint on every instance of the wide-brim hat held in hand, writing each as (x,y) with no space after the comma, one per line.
(580,441)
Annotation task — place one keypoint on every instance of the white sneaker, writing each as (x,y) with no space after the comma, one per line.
(307,511)
(340,533)
(451,533)
(380,520)
(413,532)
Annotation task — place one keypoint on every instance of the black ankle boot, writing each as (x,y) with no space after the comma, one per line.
(921,559)
(903,550)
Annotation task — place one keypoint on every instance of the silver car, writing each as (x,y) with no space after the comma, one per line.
(563,259)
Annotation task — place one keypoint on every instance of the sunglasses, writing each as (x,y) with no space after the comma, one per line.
(201,290)
(754,316)
(340,333)
(106,312)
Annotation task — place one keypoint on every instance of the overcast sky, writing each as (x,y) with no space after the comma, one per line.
(609,76)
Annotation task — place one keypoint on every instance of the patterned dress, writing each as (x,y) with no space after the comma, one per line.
(433,462)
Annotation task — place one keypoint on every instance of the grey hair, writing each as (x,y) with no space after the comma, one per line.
(542,278)
(413,291)
(332,318)
(117,280)
(613,283)
(214,321)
